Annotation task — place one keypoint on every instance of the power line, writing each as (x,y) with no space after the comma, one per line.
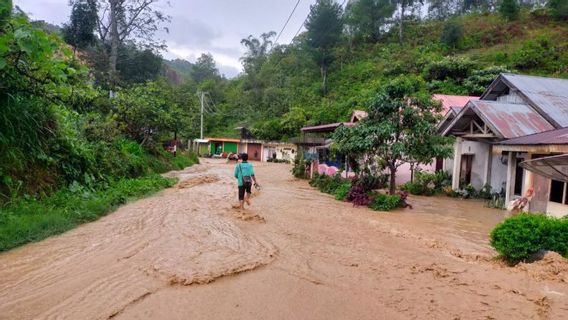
(285,24)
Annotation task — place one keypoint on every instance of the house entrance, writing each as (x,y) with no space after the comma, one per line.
(466,165)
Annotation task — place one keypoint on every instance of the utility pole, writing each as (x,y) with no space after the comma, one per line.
(202,97)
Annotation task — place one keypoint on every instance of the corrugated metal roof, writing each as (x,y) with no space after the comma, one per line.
(555,137)
(550,95)
(224,140)
(449,102)
(358,115)
(326,127)
(510,120)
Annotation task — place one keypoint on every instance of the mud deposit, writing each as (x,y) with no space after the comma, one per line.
(186,254)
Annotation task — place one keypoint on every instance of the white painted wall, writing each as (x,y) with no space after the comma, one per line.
(480,150)
(498,173)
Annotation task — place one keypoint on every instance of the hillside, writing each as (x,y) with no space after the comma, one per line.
(285,93)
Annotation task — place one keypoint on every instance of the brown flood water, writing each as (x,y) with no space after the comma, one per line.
(305,256)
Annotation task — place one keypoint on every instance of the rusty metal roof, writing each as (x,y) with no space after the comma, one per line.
(554,137)
(452,102)
(511,120)
(548,96)
(506,120)
(326,127)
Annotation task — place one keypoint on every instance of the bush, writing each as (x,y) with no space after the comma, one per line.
(452,35)
(427,183)
(385,202)
(327,184)
(358,196)
(536,54)
(519,237)
(453,68)
(509,9)
(342,191)
(300,165)
(371,182)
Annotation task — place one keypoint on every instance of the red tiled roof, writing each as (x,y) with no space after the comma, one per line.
(449,101)
(555,137)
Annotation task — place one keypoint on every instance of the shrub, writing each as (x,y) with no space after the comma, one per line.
(449,68)
(535,54)
(300,164)
(327,184)
(427,183)
(342,191)
(509,9)
(358,196)
(452,34)
(558,8)
(519,237)
(385,202)
(371,182)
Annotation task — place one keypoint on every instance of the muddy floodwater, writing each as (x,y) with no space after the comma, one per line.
(296,254)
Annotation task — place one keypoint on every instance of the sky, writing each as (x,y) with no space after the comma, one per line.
(201,26)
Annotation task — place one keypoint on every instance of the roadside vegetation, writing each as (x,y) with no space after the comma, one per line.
(28,219)
(521,237)
(360,191)
(72,149)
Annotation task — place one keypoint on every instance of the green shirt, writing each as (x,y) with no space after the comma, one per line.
(246,169)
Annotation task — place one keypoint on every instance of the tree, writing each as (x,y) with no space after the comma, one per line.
(401,128)
(135,20)
(253,60)
(5,11)
(368,17)
(324,27)
(402,7)
(79,32)
(452,34)
(509,9)
(138,66)
(559,8)
(204,68)
(149,110)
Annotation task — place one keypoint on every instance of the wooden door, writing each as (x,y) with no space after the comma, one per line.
(254,151)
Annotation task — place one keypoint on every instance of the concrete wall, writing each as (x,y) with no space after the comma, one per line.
(498,173)
(480,150)
(403,174)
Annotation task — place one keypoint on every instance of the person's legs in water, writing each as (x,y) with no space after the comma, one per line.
(242,197)
(247,195)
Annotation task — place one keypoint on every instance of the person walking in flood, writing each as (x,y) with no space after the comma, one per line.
(244,173)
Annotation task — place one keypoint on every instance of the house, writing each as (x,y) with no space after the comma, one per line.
(316,140)
(513,106)
(253,148)
(222,146)
(279,151)
(550,195)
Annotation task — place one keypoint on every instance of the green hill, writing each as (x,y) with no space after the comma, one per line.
(284,93)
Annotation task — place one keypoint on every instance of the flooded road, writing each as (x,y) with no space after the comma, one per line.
(297,254)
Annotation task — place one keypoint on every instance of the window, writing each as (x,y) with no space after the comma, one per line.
(557,191)
(519,177)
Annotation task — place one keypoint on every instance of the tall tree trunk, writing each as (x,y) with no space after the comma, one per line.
(324,79)
(392,185)
(114,40)
(402,7)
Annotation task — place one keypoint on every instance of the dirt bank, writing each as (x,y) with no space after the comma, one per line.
(310,257)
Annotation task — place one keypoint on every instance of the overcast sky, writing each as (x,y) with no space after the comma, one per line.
(197,26)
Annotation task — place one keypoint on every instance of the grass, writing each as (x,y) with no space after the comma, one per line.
(30,220)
